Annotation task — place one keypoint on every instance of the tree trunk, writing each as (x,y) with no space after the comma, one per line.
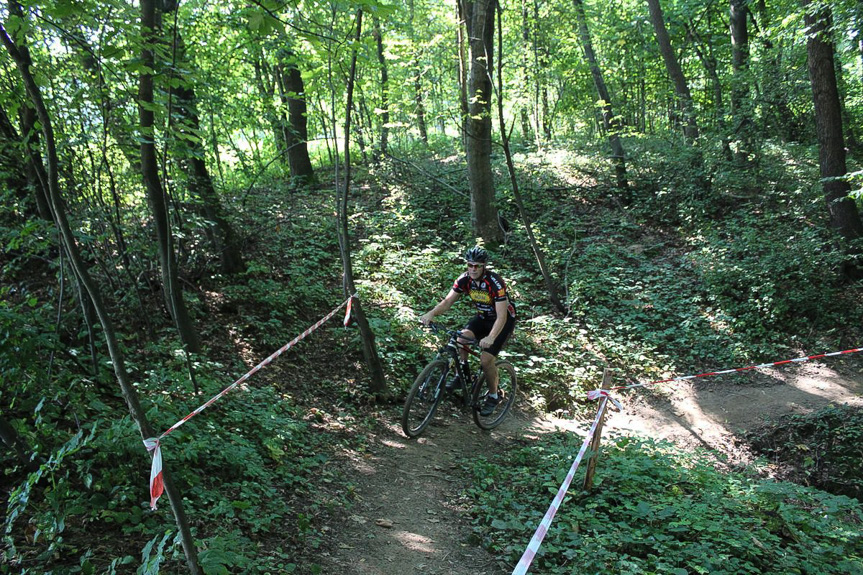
(385,104)
(377,384)
(844,216)
(419,110)
(681,87)
(293,90)
(525,218)
(524,113)
(461,46)
(227,244)
(739,14)
(609,121)
(479,20)
(417,72)
(69,244)
(155,193)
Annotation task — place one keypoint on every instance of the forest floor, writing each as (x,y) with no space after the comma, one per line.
(411,518)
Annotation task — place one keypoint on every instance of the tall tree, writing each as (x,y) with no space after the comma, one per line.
(88,286)
(610,122)
(478,18)
(173,293)
(681,86)
(377,384)
(844,216)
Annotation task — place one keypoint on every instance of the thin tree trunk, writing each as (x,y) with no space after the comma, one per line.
(69,244)
(525,218)
(155,193)
(739,15)
(681,87)
(461,45)
(524,113)
(419,110)
(844,216)
(385,97)
(377,384)
(609,121)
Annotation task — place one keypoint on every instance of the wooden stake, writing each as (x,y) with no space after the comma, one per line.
(597,436)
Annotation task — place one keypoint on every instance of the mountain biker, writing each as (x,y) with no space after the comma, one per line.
(494,322)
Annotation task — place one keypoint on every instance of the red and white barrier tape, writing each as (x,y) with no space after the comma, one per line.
(727,371)
(533,547)
(154,443)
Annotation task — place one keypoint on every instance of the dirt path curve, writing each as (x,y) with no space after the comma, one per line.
(410,519)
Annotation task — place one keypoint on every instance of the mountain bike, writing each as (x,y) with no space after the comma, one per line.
(430,386)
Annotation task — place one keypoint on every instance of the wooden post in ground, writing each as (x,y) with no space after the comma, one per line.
(597,436)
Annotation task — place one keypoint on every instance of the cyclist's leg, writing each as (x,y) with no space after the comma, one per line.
(487,360)
(466,337)
(476,329)
(489,355)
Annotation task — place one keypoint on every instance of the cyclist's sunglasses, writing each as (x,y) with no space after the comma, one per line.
(474,266)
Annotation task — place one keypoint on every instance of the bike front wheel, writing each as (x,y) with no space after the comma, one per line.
(507,386)
(424,397)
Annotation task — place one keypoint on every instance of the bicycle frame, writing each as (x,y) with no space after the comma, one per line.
(451,351)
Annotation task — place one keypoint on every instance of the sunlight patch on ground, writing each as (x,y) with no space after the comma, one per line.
(415,541)
(393,444)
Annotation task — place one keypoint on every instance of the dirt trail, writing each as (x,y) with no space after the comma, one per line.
(411,521)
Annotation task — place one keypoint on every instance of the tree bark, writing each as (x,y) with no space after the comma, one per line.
(681,87)
(844,216)
(609,121)
(292,91)
(155,193)
(377,383)
(479,21)
(58,210)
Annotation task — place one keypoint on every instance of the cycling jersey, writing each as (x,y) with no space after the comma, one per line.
(485,292)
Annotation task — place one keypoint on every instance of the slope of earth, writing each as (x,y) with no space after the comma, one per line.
(411,520)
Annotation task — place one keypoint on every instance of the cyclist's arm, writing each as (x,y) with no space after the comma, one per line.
(441,307)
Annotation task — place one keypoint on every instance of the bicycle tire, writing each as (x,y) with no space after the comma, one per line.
(424,397)
(507,385)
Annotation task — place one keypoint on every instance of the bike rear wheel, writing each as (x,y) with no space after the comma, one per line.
(424,397)
(507,386)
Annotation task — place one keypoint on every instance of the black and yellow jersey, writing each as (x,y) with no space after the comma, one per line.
(485,292)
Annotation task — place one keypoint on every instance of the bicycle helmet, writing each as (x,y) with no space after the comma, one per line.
(476,254)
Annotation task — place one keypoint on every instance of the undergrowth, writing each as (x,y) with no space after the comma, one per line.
(656,509)
(680,279)
(822,449)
